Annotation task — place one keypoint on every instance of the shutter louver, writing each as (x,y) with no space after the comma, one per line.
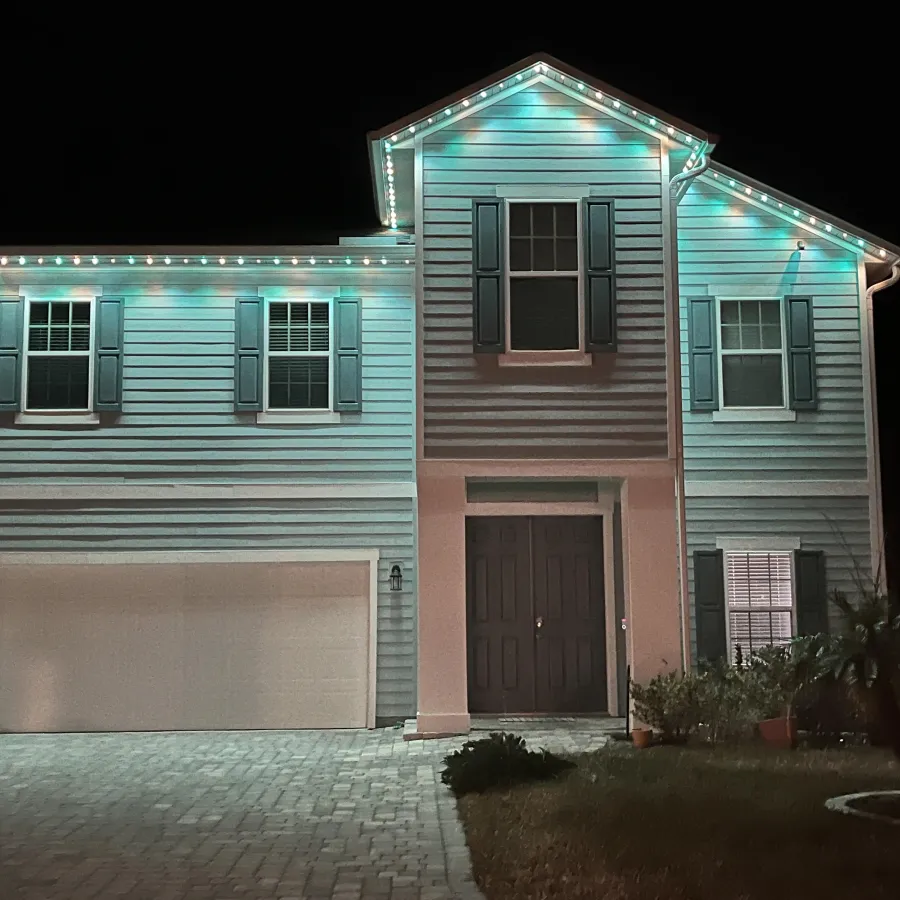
(709,605)
(248,362)
(12,313)
(109,354)
(702,354)
(812,594)
(600,287)
(801,351)
(347,355)
(488,314)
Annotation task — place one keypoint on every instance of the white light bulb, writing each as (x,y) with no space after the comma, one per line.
(828,228)
(796,212)
(387,146)
(366,261)
(312,260)
(860,241)
(406,261)
(616,104)
(347,260)
(446,112)
(465,102)
(543,68)
(634,113)
(59,260)
(652,121)
(747,191)
(598,95)
(518,77)
(185,261)
(94,261)
(502,85)
(221,260)
(483,94)
(294,261)
(149,260)
(41,260)
(731,183)
(537,68)
(764,197)
(715,174)
(277,261)
(882,253)
(383,261)
(780,205)
(203,261)
(412,129)
(394,138)
(3,260)
(430,121)
(77,260)
(580,86)
(844,234)
(240,260)
(21,260)
(168,261)
(670,130)
(259,260)
(812,220)
(112,259)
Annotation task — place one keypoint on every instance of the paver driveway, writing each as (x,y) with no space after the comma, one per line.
(337,814)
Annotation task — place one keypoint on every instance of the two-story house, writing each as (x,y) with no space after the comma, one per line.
(590,405)
(646,427)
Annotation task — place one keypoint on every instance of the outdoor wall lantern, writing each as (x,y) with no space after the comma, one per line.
(396,578)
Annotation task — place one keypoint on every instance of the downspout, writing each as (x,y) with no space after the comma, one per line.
(879,576)
(677,180)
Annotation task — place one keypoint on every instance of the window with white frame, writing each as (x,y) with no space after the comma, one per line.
(298,357)
(544,300)
(760,596)
(752,360)
(58,356)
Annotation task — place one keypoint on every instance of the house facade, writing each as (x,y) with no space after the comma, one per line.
(592,405)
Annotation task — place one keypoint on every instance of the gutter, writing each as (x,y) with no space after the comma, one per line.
(675,185)
(879,573)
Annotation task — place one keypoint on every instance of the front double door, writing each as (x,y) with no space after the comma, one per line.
(535,615)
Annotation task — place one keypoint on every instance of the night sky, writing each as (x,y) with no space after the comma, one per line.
(251,128)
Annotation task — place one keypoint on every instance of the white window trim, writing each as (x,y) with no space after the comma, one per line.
(725,413)
(572,357)
(758,544)
(85,416)
(298,416)
(743,548)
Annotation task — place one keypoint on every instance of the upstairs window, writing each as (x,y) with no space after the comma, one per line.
(752,354)
(299,355)
(760,598)
(58,356)
(544,297)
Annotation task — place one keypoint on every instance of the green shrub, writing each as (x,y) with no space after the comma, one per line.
(729,701)
(500,760)
(669,704)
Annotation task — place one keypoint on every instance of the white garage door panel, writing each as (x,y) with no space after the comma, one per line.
(184,646)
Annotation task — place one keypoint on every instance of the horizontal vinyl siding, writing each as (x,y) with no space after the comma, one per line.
(178,421)
(386,525)
(472,407)
(727,247)
(837,525)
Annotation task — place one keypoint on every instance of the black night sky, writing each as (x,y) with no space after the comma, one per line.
(247,126)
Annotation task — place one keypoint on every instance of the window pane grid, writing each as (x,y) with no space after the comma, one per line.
(543,238)
(58,355)
(299,355)
(751,342)
(759,591)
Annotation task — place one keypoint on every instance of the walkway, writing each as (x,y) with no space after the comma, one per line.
(351,815)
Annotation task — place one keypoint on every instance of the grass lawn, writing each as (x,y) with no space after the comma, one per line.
(736,823)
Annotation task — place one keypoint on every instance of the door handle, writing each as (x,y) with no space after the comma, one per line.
(539,623)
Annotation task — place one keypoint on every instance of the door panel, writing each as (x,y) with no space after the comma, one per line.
(570,658)
(536,618)
(500,642)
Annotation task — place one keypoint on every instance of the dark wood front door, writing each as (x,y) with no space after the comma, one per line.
(535,606)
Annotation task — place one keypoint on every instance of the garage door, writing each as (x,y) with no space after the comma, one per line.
(168,646)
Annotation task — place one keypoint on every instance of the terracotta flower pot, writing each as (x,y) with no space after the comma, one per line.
(641,737)
(780,732)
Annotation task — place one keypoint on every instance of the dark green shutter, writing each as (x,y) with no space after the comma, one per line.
(108,354)
(600,287)
(12,313)
(248,363)
(812,596)
(709,604)
(488,314)
(347,354)
(801,350)
(703,353)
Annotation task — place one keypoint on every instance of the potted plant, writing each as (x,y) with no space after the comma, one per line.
(780,674)
(641,737)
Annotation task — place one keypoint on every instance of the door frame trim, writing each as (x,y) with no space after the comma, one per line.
(603,508)
(176,557)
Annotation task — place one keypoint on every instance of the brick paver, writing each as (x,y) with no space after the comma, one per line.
(349,815)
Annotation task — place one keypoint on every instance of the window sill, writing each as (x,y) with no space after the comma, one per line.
(298,417)
(754,415)
(544,358)
(57,418)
